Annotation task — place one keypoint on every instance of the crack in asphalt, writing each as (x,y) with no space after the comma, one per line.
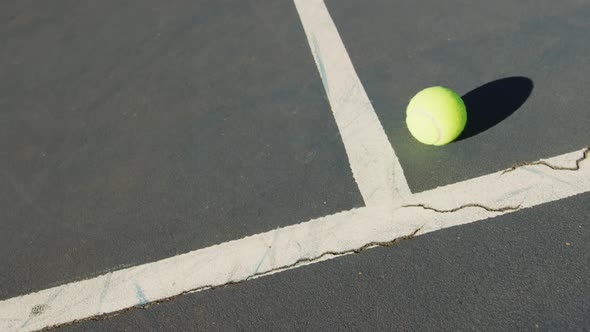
(584,156)
(464,206)
(385,244)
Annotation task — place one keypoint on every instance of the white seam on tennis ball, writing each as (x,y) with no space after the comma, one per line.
(428,115)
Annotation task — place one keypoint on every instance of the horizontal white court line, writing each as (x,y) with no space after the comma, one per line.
(282,248)
(381,182)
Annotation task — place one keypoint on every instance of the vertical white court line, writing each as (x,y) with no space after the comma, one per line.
(374,165)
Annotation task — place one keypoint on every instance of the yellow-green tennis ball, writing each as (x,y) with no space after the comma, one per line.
(436,116)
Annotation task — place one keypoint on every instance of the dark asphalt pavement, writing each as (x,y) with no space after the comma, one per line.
(524,271)
(400,47)
(132,132)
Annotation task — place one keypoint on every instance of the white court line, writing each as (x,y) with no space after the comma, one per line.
(383,219)
(374,165)
(238,260)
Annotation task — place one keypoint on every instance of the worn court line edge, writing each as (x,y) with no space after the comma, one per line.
(238,260)
(383,219)
(374,165)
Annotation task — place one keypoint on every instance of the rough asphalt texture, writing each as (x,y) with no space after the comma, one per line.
(524,271)
(133,132)
(401,47)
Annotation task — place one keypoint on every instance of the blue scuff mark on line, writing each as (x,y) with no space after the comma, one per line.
(140,295)
(513,193)
(107,284)
(276,234)
(318,56)
(538,172)
(260,263)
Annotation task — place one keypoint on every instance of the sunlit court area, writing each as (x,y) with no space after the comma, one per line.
(294,165)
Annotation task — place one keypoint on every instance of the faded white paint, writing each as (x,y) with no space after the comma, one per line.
(381,182)
(374,165)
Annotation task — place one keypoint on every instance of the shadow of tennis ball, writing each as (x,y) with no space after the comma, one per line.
(493,102)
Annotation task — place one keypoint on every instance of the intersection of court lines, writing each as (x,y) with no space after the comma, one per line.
(391,211)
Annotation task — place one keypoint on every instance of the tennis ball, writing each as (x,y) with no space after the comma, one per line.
(436,116)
